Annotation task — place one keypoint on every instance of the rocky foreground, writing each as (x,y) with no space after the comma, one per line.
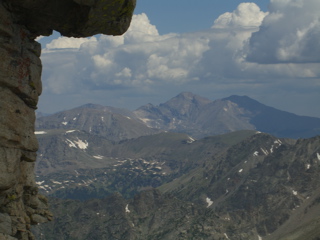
(240,186)
(21,21)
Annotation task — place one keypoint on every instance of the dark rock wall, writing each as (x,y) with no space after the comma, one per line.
(21,21)
(74,18)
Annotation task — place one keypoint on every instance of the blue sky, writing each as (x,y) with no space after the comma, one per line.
(187,15)
(267,50)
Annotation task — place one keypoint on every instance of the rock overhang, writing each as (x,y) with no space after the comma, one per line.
(21,21)
(73,18)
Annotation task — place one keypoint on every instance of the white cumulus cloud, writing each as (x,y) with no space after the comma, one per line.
(289,34)
(143,62)
(139,58)
(246,15)
(65,42)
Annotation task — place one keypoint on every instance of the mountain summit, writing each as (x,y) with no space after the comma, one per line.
(276,122)
(111,123)
(179,113)
(185,113)
(186,104)
(201,117)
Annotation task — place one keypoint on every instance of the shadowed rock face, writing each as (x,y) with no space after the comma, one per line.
(74,18)
(21,21)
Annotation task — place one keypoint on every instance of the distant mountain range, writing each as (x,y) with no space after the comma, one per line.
(75,159)
(112,123)
(241,185)
(185,113)
(189,168)
(201,117)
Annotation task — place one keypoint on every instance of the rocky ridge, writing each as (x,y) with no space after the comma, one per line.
(74,164)
(110,123)
(259,188)
(21,21)
(186,113)
(200,117)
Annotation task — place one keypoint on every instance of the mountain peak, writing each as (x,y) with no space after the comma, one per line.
(200,117)
(92,105)
(239,98)
(186,98)
(185,104)
(245,102)
(188,95)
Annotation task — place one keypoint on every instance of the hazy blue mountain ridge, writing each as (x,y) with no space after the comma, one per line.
(276,122)
(200,117)
(186,113)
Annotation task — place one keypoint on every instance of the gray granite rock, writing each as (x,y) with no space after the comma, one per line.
(21,21)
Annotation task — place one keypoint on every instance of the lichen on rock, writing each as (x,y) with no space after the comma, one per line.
(21,21)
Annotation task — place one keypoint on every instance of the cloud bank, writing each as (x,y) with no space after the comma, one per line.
(265,55)
(289,34)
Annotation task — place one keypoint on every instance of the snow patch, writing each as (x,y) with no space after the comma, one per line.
(264,151)
(318,156)
(294,192)
(70,131)
(226,236)
(40,132)
(127,209)
(78,143)
(271,149)
(81,144)
(240,170)
(191,140)
(259,238)
(98,157)
(55,182)
(70,143)
(256,153)
(65,123)
(308,166)
(209,202)
(278,141)
(74,119)
(146,121)
(39,183)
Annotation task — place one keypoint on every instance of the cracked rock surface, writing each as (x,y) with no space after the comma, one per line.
(21,21)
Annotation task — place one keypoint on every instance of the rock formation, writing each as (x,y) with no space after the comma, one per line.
(21,21)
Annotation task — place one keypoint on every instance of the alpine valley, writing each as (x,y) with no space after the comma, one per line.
(190,168)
